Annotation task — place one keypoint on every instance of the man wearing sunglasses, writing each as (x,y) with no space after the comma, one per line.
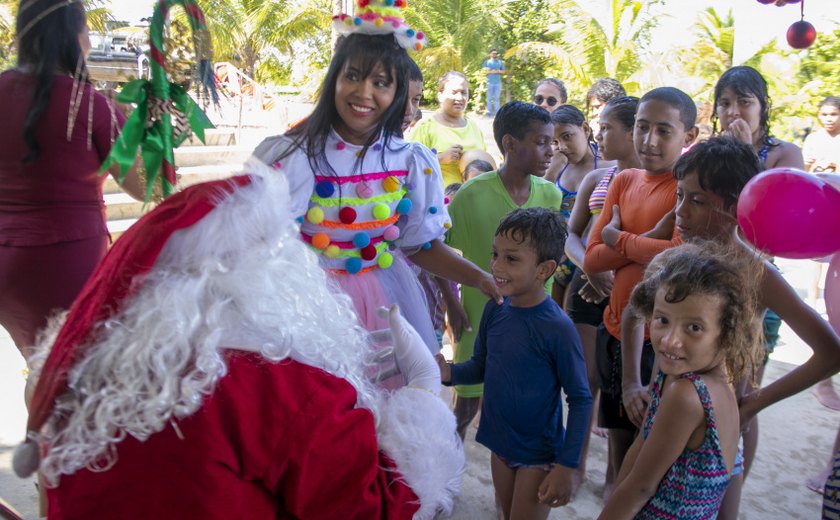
(494,68)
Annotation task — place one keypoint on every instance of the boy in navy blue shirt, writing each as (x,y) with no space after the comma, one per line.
(526,351)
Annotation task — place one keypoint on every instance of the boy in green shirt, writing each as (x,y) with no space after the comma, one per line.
(524,134)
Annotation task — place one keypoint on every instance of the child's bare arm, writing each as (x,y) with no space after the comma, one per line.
(558,486)
(680,413)
(579,221)
(779,296)
(638,248)
(455,312)
(634,395)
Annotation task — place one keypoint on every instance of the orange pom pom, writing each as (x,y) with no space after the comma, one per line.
(320,240)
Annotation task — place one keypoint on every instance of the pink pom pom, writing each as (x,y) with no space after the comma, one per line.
(420,36)
(391,233)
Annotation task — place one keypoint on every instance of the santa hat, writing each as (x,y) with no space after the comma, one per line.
(105,294)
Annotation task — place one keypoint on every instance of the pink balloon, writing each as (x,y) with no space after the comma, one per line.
(832,292)
(789,213)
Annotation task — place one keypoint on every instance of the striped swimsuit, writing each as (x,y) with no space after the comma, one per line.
(694,485)
(599,194)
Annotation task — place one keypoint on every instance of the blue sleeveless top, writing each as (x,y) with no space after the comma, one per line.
(570,196)
(694,485)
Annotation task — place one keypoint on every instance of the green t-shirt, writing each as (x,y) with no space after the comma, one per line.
(439,137)
(476,211)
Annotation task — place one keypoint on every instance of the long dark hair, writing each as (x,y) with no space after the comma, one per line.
(745,81)
(369,51)
(46,47)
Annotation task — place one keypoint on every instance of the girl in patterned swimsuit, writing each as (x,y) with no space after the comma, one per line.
(702,305)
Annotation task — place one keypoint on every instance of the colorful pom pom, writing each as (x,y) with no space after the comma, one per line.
(433,209)
(315,215)
(299,220)
(377,147)
(434,151)
(418,46)
(379,22)
(447,225)
(410,185)
(446,200)
(427,170)
(277,165)
(391,184)
(364,191)
(332,251)
(420,36)
(389,3)
(368,252)
(320,240)
(324,189)
(385,260)
(410,33)
(353,265)
(404,206)
(357,21)
(381,211)
(340,145)
(348,21)
(395,24)
(361,240)
(427,245)
(391,233)
(347,215)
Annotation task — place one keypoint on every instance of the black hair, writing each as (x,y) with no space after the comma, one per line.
(564,94)
(414,72)
(370,50)
(745,82)
(570,115)
(723,165)
(677,99)
(480,165)
(451,189)
(604,90)
(515,118)
(446,76)
(544,230)
(46,47)
(624,109)
(831,101)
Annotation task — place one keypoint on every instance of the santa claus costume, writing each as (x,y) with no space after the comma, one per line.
(208,370)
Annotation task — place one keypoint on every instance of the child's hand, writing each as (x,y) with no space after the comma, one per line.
(664,229)
(558,487)
(445,368)
(636,399)
(609,234)
(601,283)
(740,130)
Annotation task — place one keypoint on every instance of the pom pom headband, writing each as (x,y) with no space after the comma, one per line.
(380,17)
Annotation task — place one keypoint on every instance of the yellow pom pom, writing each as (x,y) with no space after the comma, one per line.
(379,22)
(332,251)
(320,240)
(391,184)
(447,225)
(315,215)
(385,260)
(348,21)
(427,171)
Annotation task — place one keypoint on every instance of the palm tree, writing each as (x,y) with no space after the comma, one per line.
(579,44)
(459,32)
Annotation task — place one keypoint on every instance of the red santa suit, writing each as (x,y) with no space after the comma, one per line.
(258,413)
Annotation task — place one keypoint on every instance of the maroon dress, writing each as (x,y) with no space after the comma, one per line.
(52,214)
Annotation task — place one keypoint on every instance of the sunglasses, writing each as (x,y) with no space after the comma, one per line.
(551,100)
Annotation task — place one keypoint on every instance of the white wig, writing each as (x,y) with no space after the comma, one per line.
(240,278)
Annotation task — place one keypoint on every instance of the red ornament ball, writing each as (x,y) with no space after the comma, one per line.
(801,35)
(347,215)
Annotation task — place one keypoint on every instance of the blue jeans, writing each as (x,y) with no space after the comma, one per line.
(494,92)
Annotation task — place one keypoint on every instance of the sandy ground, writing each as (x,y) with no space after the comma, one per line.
(795,439)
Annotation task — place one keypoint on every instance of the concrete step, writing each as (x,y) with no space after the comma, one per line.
(118,227)
(213,137)
(120,206)
(206,155)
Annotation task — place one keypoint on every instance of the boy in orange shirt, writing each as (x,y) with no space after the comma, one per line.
(619,242)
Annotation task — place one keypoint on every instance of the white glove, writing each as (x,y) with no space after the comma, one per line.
(412,355)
